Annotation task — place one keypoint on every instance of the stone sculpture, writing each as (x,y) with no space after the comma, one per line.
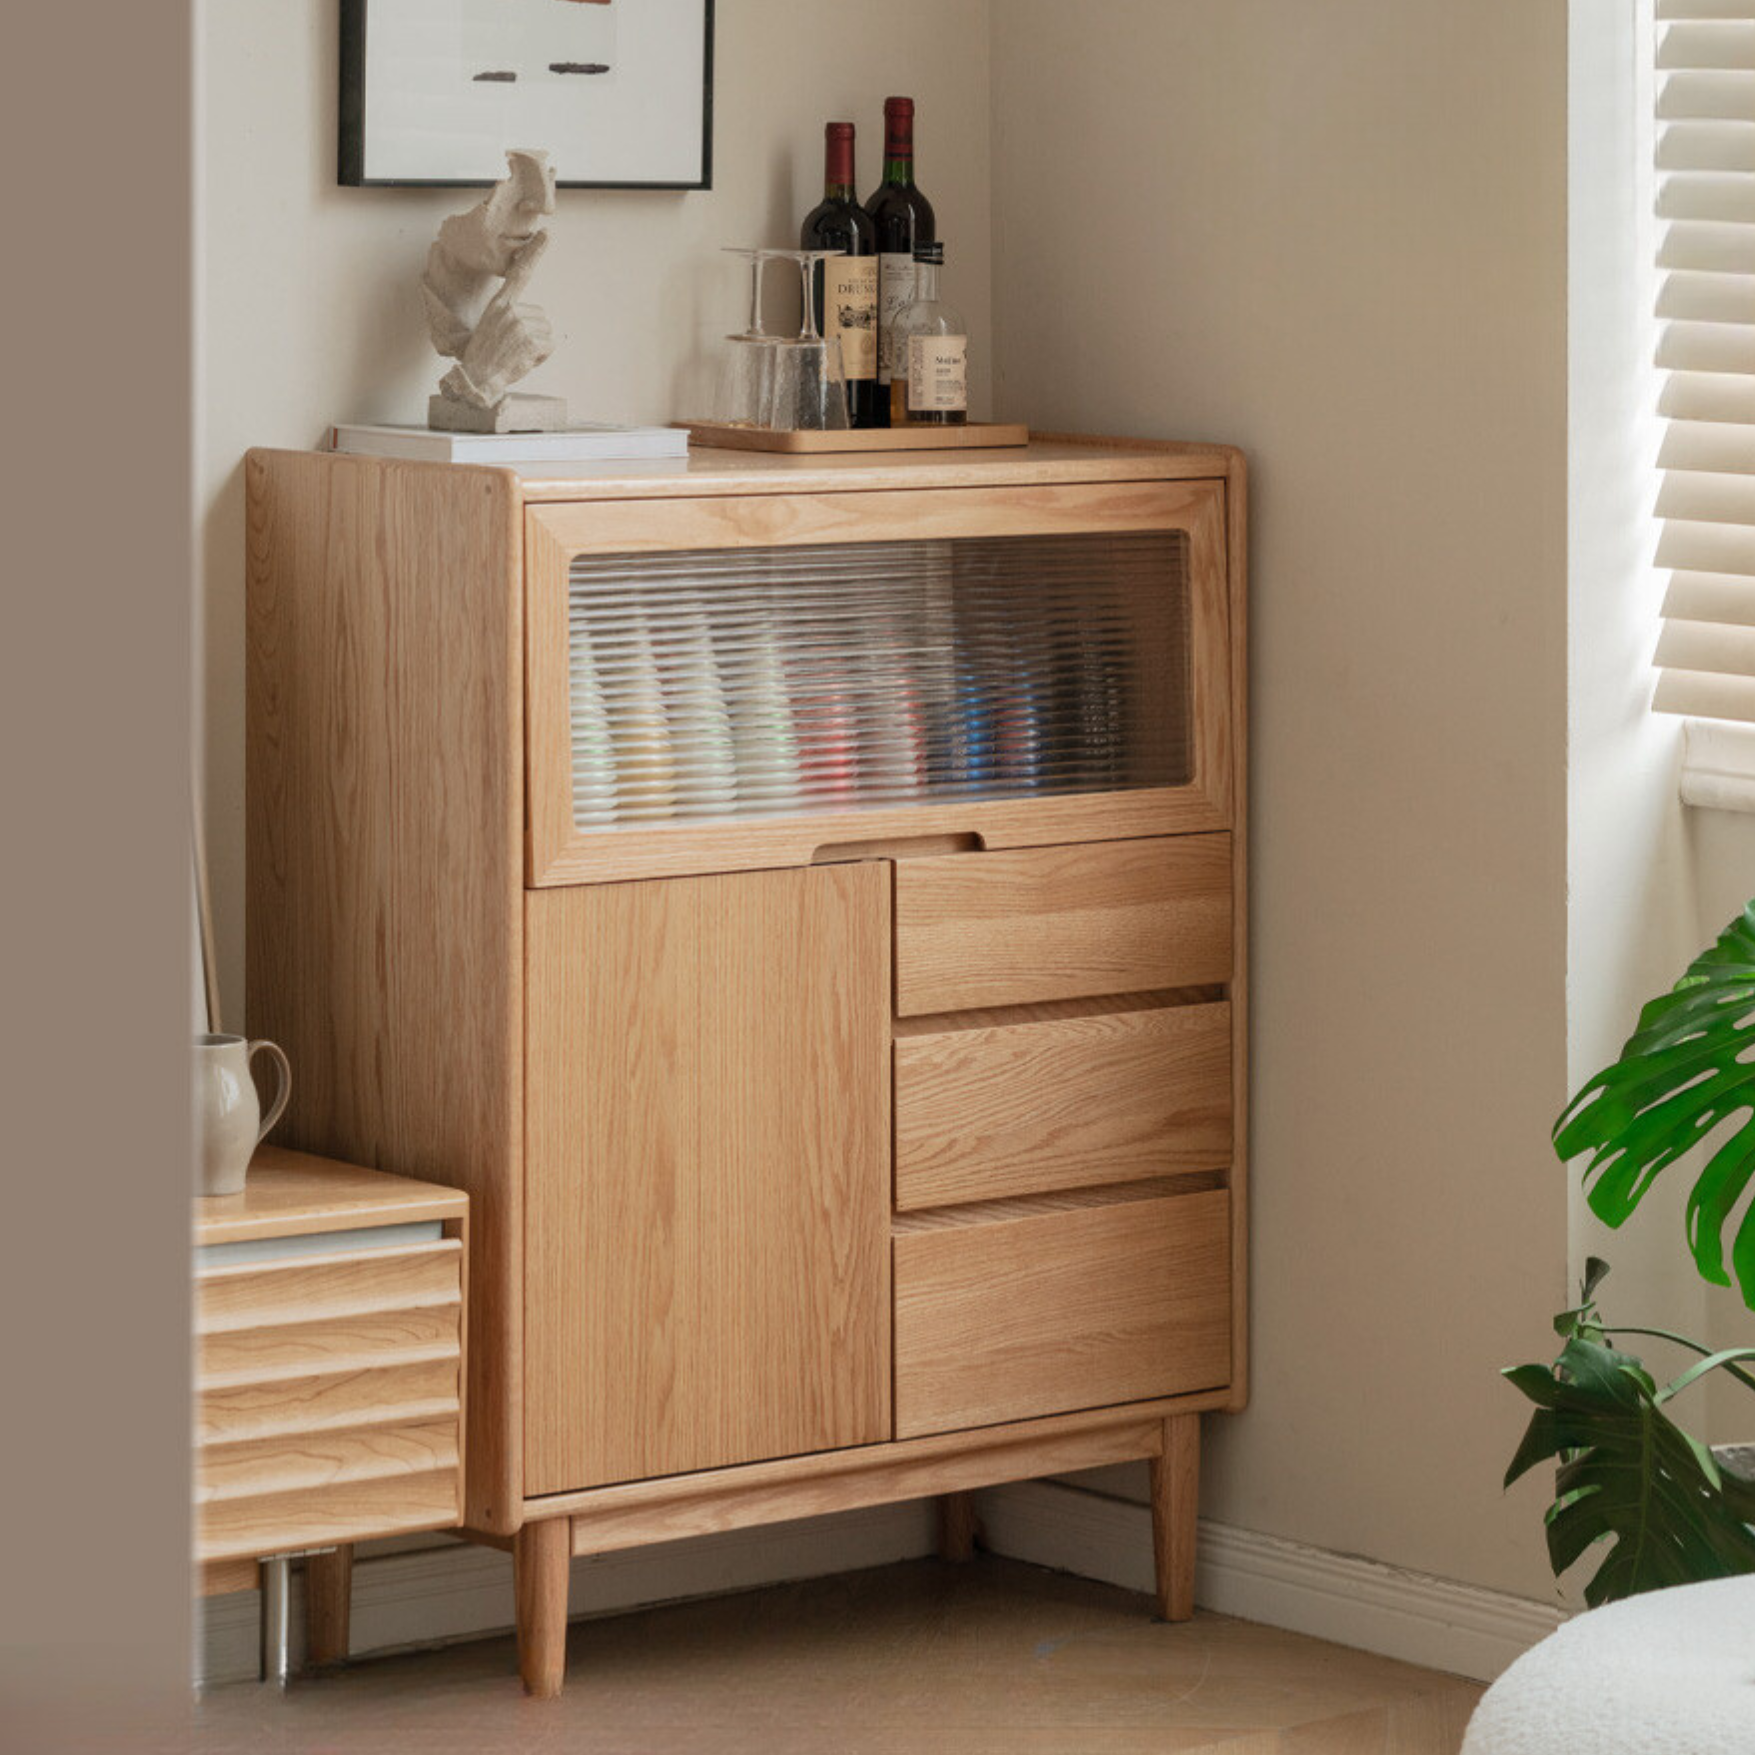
(494,339)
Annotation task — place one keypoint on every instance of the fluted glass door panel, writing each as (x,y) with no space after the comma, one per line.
(742,683)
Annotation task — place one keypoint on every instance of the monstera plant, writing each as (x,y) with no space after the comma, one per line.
(1629,1477)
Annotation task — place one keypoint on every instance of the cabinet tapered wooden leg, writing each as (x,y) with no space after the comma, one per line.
(541,1556)
(1175,1504)
(328,1604)
(956,1526)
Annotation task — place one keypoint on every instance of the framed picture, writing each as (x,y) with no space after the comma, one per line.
(619,93)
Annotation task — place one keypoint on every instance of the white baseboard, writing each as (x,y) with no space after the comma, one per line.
(457,1591)
(1408,1615)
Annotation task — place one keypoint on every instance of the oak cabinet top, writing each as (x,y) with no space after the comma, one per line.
(707,471)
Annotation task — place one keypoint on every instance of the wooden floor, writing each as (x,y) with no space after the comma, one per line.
(993,1658)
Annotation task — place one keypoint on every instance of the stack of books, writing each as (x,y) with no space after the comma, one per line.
(587,443)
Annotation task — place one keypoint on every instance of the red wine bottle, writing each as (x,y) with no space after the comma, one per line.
(903,219)
(845,288)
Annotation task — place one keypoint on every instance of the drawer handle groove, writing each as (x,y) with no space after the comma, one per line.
(1071,1200)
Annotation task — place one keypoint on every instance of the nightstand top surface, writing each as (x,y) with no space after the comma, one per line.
(288,1193)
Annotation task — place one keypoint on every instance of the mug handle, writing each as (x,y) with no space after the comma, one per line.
(278,1107)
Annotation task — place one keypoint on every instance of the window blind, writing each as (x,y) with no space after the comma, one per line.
(1705,139)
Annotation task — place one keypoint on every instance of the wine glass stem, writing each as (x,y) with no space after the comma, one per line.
(807,326)
(755,327)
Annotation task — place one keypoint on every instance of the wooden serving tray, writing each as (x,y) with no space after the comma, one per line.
(976,434)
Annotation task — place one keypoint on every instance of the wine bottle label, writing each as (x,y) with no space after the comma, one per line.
(938,373)
(896,281)
(850,309)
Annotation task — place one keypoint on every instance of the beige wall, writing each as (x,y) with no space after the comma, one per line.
(309,310)
(1336,235)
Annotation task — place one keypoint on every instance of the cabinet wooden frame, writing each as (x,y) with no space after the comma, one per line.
(560,852)
(610,1518)
(384,802)
(408,791)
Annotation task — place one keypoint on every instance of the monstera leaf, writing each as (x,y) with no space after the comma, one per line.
(1688,1067)
(1628,1475)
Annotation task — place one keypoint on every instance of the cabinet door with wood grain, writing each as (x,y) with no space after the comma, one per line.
(707,1207)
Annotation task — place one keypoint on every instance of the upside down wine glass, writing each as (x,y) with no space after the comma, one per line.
(809,391)
(746,371)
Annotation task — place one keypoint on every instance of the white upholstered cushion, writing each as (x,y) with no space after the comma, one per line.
(1671,1672)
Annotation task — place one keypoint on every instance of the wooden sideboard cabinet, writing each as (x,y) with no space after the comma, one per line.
(802,902)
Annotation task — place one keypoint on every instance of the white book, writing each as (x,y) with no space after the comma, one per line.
(586,443)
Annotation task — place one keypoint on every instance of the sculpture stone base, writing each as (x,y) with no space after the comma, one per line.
(512,414)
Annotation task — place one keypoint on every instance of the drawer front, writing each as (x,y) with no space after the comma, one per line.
(392,1482)
(1078,922)
(325,1401)
(365,1341)
(329,1399)
(1065,1103)
(265,1294)
(1013,1318)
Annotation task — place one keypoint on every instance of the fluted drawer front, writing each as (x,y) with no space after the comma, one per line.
(326,1401)
(252,1468)
(1027,1108)
(348,1511)
(1083,921)
(264,1293)
(329,1398)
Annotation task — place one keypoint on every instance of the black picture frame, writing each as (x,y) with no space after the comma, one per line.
(351,132)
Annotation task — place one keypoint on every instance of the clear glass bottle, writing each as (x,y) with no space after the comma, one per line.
(931,382)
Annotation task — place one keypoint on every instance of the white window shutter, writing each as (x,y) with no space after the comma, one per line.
(1706,352)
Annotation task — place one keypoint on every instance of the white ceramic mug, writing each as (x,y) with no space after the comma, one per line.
(228,1112)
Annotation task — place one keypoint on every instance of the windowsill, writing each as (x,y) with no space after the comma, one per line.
(1718,765)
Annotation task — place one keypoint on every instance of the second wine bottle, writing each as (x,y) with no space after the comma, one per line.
(904,221)
(845,287)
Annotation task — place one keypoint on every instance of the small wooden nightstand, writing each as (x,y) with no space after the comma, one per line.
(329,1378)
